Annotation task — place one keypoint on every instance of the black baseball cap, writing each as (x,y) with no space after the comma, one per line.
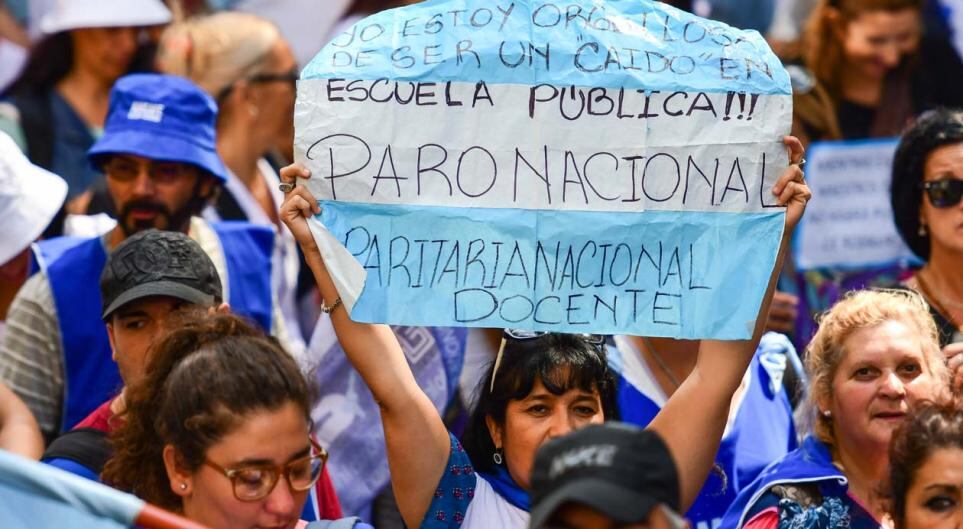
(620,470)
(159,263)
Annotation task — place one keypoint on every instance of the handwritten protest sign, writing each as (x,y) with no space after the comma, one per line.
(850,222)
(566,166)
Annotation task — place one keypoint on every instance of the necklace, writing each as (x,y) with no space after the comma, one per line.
(658,360)
(935,301)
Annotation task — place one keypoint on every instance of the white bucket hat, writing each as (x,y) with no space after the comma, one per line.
(76,14)
(30,197)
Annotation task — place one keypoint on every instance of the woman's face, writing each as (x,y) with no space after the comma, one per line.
(876,41)
(269,438)
(935,498)
(883,371)
(275,99)
(540,417)
(945,225)
(105,52)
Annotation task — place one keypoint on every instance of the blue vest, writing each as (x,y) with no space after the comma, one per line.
(811,463)
(762,432)
(73,268)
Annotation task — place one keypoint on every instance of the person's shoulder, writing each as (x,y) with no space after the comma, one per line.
(34,294)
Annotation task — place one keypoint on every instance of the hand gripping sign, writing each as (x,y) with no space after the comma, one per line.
(564,166)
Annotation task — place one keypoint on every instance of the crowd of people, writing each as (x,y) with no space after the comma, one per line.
(161,294)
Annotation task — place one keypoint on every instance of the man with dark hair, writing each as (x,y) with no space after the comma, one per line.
(147,282)
(607,476)
(158,154)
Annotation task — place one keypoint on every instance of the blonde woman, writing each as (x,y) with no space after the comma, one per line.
(876,353)
(242,61)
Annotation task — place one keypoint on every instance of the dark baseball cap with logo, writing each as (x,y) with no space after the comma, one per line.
(159,263)
(617,469)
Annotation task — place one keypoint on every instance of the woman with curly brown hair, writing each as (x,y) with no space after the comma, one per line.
(926,469)
(218,430)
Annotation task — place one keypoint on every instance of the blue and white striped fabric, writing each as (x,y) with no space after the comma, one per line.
(578,166)
(38,496)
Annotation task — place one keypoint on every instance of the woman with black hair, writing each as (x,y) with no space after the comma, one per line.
(541,386)
(60,99)
(927,199)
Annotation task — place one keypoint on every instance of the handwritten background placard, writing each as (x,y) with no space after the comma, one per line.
(577,166)
(849,223)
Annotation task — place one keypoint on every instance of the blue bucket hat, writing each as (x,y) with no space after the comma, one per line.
(161,117)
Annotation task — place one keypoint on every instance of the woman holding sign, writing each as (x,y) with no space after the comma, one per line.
(540,387)
(875,355)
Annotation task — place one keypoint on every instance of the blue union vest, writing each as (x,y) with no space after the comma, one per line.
(762,432)
(73,268)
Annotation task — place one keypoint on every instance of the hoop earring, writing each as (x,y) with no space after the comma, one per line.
(497,456)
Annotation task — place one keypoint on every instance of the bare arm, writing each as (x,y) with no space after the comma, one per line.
(707,393)
(416,438)
(19,432)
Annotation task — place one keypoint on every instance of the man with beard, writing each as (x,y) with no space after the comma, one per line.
(158,155)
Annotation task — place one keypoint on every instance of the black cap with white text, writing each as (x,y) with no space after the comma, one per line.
(620,470)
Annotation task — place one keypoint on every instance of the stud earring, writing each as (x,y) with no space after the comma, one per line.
(922,231)
(183,486)
(497,456)
(827,413)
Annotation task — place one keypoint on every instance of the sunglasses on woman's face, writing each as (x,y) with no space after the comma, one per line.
(520,335)
(944,193)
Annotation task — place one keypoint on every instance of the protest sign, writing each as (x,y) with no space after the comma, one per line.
(849,224)
(573,166)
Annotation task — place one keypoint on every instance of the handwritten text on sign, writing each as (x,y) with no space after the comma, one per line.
(850,223)
(548,194)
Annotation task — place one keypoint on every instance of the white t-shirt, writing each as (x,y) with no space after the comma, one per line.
(488,510)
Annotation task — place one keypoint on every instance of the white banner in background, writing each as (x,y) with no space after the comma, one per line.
(849,222)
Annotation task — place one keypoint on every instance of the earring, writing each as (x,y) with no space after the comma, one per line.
(827,413)
(922,231)
(183,486)
(253,111)
(497,456)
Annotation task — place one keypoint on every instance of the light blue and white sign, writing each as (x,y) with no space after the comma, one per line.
(570,166)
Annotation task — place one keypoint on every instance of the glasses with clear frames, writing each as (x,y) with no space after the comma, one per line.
(255,482)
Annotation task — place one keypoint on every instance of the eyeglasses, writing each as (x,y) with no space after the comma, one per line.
(521,335)
(124,170)
(255,482)
(290,77)
(944,193)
